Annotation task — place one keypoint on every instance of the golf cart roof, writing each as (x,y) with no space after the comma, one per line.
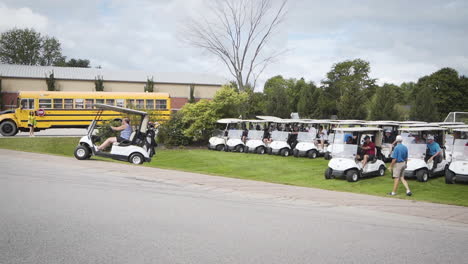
(358,129)
(229,121)
(120,109)
(446,123)
(411,122)
(426,128)
(287,121)
(256,121)
(348,122)
(268,118)
(420,125)
(316,121)
(382,123)
(461,130)
(454,126)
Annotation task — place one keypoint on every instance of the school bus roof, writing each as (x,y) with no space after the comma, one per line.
(25,94)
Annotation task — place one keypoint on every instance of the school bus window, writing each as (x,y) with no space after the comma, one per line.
(120,102)
(149,104)
(58,103)
(45,103)
(140,103)
(27,103)
(89,103)
(79,103)
(68,103)
(110,101)
(130,103)
(161,104)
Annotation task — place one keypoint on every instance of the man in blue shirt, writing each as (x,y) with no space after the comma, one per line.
(434,152)
(398,165)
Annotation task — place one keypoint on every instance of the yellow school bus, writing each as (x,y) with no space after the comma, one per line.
(75,109)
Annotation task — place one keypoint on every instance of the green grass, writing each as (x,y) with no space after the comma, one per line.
(291,171)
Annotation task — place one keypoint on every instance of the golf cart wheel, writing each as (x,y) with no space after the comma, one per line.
(296,153)
(449,177)
(352,176)
(220,147)
(82,153)
(284,152)
(8,128)
(269,151)
(312,154)
(381,170)
(240,149)
(328,173)
(327,156)
(136,158)
(261,150)
(422,175)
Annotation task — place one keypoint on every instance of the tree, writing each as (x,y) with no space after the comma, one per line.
(192,94)
(21,46)
(307,103)
(51,52)
(276,99)
(424,107)
(77,63)
(99,83)
(346,80)
(238,33)
(149,86)
(292,91)
(50,80)
(384,103)
(1,94)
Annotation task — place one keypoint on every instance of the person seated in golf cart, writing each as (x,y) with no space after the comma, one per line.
(323,136)
(418,140)
(245,133)
(434,152)
(368,151)
(389,137)
(125,132)
(266,135)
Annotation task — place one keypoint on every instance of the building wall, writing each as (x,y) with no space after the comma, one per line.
(178,92)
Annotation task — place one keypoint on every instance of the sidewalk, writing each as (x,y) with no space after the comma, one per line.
(266,190)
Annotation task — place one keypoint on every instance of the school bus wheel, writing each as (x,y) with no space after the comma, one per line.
(8,128)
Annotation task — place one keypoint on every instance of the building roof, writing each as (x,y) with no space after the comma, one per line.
(72,73)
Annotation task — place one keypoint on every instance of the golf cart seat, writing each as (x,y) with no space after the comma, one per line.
(128,142)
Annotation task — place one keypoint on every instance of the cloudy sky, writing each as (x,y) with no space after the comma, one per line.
(403,40)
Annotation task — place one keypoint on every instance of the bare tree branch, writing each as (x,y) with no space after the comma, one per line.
(237,33)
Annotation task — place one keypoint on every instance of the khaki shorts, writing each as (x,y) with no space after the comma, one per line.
(399,170)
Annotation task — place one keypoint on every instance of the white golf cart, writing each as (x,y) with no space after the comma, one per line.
(138,149)
(331,135)
(306,146)
(279,144)
(221,135)
(389,128)
(414,139)
(234,141)
(255,142)
(457,171)
(345,164)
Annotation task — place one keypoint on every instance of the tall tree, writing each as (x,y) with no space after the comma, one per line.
(77,63)
(21,46)
(51,52)
(293,89)
(307,103)
(238,33)
(383,105)
(276,100)
(424,106)
(346,80)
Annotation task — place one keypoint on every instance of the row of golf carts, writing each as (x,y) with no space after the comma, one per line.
(341,142)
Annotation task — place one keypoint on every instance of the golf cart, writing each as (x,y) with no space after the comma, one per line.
(331,135)
(345,164)
(255,142)
(458,167)
(306,146)
(390,131)
(234,141)
(220,135)
(138,149)
(414,139)
(281,138)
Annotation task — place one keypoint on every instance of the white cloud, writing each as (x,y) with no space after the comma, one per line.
(403,40)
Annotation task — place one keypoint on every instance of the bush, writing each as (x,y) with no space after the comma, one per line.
(171,133)
(105,131)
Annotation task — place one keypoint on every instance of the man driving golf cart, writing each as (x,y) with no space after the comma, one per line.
(125,132)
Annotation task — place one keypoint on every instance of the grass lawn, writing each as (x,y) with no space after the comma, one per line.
(292,171)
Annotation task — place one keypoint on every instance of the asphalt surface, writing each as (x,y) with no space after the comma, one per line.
(61,210)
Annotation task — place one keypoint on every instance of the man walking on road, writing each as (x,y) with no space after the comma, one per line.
(399,159)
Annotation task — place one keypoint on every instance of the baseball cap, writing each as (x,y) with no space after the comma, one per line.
(399,138)
(430,138)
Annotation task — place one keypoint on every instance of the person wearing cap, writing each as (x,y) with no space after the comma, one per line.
(369,151)
(398,165)
(434,152)
(323,136)
(389,138)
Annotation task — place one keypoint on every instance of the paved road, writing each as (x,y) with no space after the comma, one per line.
(60,210)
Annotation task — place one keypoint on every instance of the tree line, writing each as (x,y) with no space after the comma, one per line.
(29,47)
